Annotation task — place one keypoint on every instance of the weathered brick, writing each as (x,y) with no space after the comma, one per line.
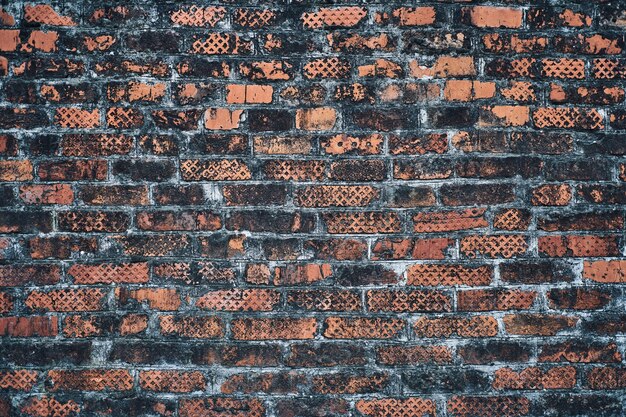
(325,355)
(611,271)
(384,406)
(273,328)
(192,407)
(66,300)
(443,274)
(156,298)
(579,351)
(494,17)
(90,380)
(350,383)
(538,324)
(251,208)
(109,273)
(362,328)
(200,327)
(29,326)
(474,326)
(467,406)
(171,381)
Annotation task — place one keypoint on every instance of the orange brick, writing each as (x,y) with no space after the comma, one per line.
(75,118)
(9,40)
(91,380)
(45,14)
(504,116)
(338,16)
(444,66)
(606,271)
(222,119)
(321,118)
(248,94)
(495,17)
(273,328)
(16,170)
(466,90)
(415,16)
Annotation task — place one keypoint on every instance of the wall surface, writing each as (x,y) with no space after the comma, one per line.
(312,209)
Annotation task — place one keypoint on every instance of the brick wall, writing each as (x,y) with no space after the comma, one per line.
(262,209)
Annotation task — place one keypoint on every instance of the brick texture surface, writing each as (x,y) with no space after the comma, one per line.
(312,208)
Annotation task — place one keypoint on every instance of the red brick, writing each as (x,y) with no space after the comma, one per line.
(606,378)
(407,301)
(335,17)
(495,299)
(474,326)
(486,406)
(73,170)
(577,246)
(239,300)
(222,119)
(321,118)
(31,326)
(47,406)
(580,351)
(362,328)
(47,194)
(9,40)
(432,248)
(344,383)
(6,303)
(90,380)
(411,355)
(551,195)
(16,170)
(198,16)
(67,300)
(157,298)
(92,221)
(171,381)
(200,327)
(462,90)
(534,378)
(538,324)
(273,328)
(578,298)
(75,118)
(447,221)
(324,300)
(401,406)
(21,275)
(362,222)
(302,274)
(18,379)
(218,170)
(46,14)
(195,407)
(505,246)
(109,273)
(186,220)
(445,274)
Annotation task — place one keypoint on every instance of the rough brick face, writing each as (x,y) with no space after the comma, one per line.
(312,208)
